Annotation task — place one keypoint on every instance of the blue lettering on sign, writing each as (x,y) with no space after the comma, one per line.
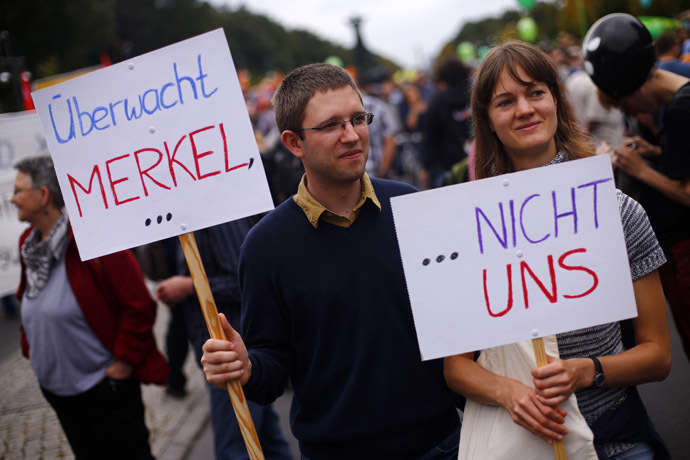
(495,224)
(522,220)
(148,102)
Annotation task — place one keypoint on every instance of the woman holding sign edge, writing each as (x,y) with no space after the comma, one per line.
(522,120)
(86,326)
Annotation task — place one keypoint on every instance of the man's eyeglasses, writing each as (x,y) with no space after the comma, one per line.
(17,191)
(358,122)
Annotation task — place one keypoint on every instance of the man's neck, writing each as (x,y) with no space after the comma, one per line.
(45,223)
(667,84)
(338,198)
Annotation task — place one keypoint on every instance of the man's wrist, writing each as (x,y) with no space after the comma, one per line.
(644,173)
(245,379)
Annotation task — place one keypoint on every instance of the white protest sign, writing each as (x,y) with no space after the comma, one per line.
(514,257)
(154,147)
(20,136)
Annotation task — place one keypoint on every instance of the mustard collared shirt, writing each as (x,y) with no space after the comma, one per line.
(315,210)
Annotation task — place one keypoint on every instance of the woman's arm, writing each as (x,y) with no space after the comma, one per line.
(536,411)
(648,361)
(470,379)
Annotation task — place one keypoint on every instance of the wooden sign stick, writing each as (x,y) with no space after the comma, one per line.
(540,352)
(208,307)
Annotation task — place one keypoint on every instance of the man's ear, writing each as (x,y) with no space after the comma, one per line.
(293,143)
(45,195)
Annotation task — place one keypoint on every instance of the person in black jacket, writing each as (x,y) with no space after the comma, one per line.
(447,124)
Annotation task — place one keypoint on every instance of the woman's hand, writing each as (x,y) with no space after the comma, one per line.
(175,289)
(524,407)
(556,381)
(119,370)
(629,160)
(641,146)
(468,378)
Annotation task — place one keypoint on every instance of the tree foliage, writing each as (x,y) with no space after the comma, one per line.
(260,45)
(568,19)
(54,37)
(553,17)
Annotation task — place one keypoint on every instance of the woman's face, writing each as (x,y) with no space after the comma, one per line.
(524,119)
(411,93)
(26,198)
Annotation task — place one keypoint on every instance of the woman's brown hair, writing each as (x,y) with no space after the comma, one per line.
(491,158)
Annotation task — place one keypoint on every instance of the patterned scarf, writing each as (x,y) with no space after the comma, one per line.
(559,158)
(40,256)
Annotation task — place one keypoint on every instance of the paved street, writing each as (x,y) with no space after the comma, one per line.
(29,428)
(668,402)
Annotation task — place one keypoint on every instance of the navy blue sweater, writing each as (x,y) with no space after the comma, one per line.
(328,308)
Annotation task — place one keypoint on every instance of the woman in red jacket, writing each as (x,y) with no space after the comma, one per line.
(86,326)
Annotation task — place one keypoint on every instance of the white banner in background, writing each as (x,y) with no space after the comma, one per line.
(21,135)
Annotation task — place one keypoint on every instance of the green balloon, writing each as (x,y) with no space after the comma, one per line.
(527,29)
(658,25)
(465,51)
(527,4)
(334,60)
(483,51)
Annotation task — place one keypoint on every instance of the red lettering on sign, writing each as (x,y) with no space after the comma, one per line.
(73,181)
(553,295)
(527,272)
(145,172)
(595,278)
(225,150)
(509,270)
(172,160)
(153,172)
(113,183)
(198,155)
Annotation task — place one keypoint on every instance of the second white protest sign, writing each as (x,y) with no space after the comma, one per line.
(514,257)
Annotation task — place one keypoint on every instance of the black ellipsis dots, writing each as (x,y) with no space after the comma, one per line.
(440,258)
(159,219)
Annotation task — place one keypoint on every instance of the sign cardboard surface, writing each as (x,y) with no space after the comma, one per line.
(154,147)
(514,257)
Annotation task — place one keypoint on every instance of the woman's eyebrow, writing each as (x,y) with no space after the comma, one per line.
(505,93)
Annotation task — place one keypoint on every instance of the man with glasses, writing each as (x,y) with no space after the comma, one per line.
(324,301)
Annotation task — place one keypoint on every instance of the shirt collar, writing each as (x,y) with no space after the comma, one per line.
(315,210)
(559,158)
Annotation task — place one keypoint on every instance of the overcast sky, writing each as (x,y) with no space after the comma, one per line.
(407,32)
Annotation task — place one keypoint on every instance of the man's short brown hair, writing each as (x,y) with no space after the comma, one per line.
(610,102)
(665,43)
(299,86)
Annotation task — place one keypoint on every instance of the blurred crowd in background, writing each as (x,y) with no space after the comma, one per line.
(422,131)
